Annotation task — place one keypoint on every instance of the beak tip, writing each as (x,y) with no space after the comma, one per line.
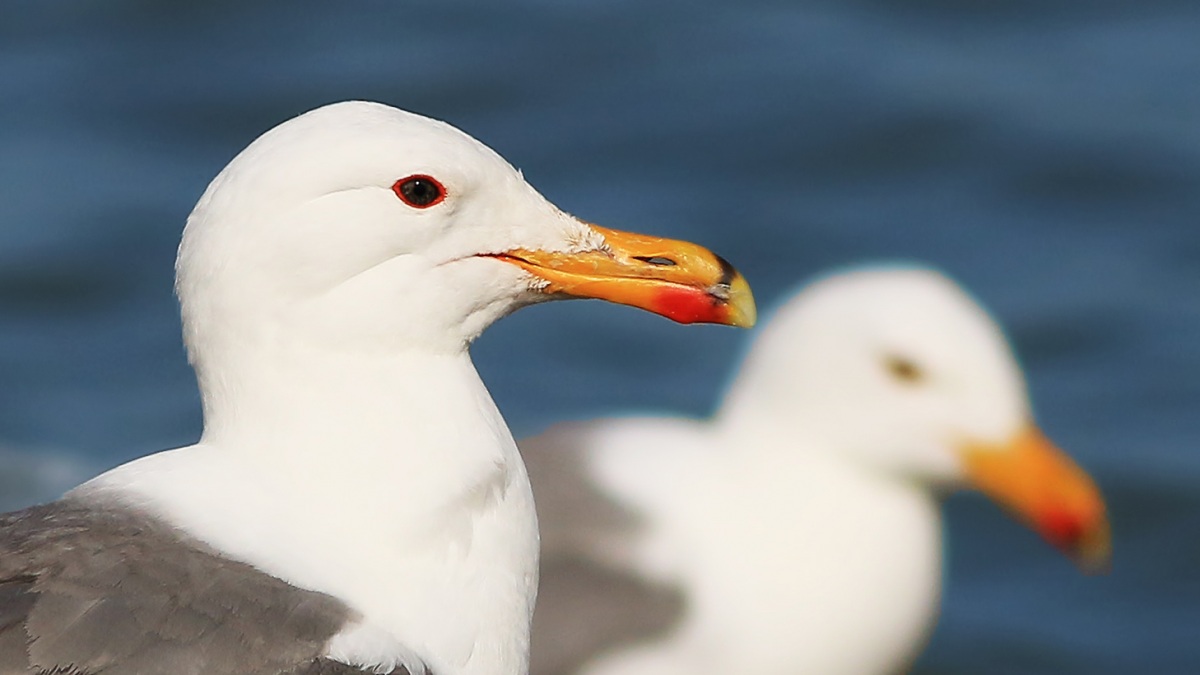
(1093,552)
(742,311)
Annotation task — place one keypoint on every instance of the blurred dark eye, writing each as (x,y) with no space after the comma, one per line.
(419,192)
(904,369)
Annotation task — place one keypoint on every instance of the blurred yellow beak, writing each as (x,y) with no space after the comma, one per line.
(1044,488)
(677,279)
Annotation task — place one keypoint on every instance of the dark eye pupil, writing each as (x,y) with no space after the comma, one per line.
(904,369)
(420,192)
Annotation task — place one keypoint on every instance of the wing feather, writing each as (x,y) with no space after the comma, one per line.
(109,591)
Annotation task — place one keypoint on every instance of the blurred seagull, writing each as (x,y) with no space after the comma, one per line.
(799,530)
(356,504)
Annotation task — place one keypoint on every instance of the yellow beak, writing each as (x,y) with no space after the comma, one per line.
(677,279)
(1044,488)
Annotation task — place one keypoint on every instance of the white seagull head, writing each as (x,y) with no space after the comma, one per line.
(361,227)
(900,371)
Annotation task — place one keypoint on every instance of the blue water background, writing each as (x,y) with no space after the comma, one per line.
(1047,154)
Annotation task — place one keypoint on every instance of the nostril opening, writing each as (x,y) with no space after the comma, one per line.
(656,260)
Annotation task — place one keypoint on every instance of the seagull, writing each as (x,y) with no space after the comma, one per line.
(356,503)
(798,530)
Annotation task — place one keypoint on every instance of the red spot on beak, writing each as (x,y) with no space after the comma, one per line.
(1061,528)
(690,305)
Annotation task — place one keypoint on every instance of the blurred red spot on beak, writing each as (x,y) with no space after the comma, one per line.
(1061,528)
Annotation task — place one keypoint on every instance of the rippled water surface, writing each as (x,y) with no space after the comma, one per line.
(1047,154)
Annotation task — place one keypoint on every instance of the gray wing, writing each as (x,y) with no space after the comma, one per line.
(585,609)
(91,591)
(586,605)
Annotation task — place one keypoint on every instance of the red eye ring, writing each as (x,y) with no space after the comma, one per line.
(420,191)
